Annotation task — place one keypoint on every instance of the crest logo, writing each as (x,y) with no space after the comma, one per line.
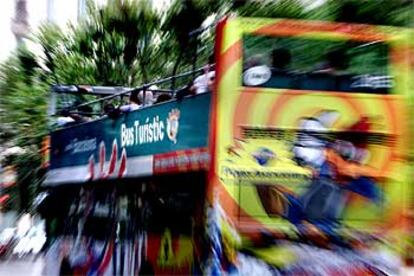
(173,124)
(263,156)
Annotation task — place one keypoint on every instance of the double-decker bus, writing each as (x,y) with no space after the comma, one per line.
(298,162)
(126,188)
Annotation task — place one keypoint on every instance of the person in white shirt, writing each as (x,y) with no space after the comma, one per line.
(149,96)
(62,121)
(134,103)
(203,83)
(66,118)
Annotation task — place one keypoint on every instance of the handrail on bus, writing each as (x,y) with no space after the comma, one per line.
(144,87)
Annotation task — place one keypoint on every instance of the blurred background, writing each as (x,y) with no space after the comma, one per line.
(115,43)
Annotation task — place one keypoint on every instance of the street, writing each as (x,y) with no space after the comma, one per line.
(30,267)
(24,267)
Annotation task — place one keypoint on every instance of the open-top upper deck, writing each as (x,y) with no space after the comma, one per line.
(162,137)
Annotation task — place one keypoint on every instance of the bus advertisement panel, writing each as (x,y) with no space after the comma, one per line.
(311,136)
(158,139)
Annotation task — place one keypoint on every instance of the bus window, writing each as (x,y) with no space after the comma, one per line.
(316,64)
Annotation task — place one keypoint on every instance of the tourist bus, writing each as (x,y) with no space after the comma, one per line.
(298,161)
(142,173)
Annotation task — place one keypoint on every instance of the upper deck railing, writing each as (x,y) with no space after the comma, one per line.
(106,93)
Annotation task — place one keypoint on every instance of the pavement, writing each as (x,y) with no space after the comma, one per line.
(22,267)
(33,267)
(408,271)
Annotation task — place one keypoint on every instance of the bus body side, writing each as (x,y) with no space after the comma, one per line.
(293,159)
(150,164)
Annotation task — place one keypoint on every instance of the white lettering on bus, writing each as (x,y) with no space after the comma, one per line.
(142,133)
(81,146)
(127,136)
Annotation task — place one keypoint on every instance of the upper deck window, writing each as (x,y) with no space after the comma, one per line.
(316,64)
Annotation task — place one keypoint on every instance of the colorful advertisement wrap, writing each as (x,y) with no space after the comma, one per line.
(309,147)
(135,144)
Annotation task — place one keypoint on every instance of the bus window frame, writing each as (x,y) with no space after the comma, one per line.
(393,37)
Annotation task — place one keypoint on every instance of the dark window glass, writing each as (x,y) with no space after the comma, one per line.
(312,64)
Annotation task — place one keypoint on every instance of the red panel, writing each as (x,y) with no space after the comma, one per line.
(181,161)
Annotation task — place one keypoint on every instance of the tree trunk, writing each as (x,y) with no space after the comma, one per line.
(177,63)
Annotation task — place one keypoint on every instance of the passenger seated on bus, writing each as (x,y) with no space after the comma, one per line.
(134,103)
(253,61)
(184,91)
(336,63)
(111,111)
(204,83)
(85,113)
(64,119)
(331,74)
(149,96)
(281,59)
(282,76)
(164,97)
(67,118)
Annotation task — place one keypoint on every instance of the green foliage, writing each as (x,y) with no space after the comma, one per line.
(29,175)
(276,9)
(182,21)
(376,12)
(23,120)
(23,100)
(61,64)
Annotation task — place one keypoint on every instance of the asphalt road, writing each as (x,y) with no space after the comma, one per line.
(30,267)
(22,267)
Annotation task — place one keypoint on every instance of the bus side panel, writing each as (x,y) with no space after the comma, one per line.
(266,139)
(261,159)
